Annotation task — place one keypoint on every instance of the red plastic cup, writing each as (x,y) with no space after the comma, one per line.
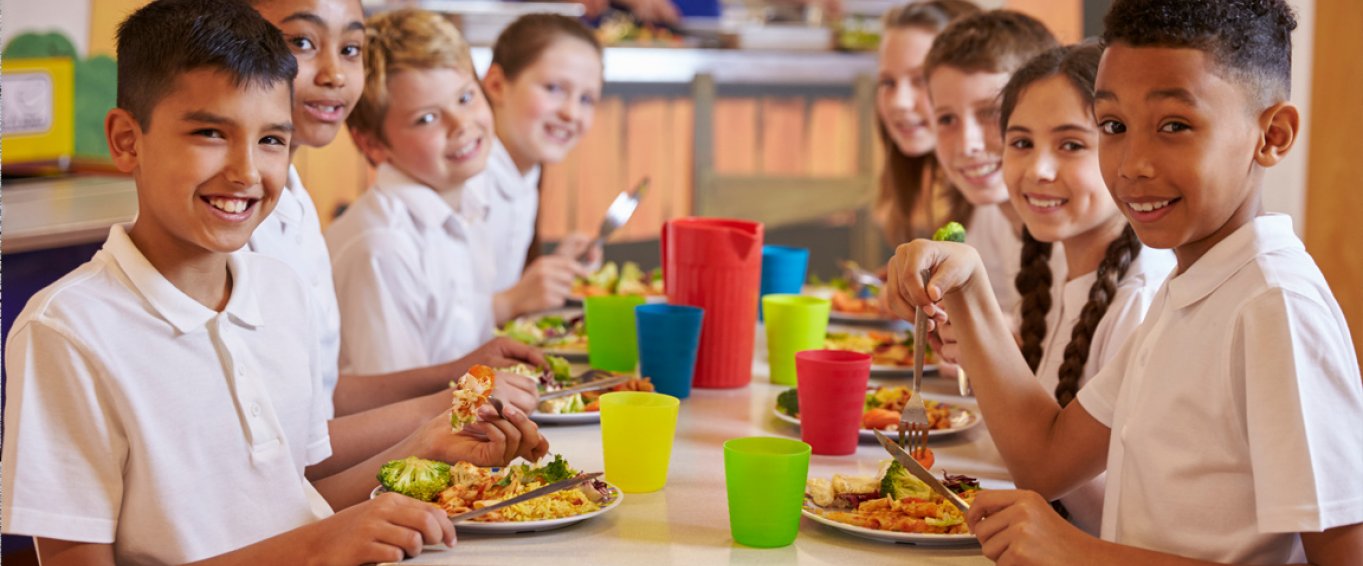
(716,264)
(832,390)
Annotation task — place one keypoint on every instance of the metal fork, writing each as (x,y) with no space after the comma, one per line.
(913,419)
(618,213)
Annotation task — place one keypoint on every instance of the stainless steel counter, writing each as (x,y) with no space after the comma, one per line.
(51,213)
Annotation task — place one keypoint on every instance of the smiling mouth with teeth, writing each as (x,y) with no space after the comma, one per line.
(558,133)
(229,205)
(467,149)
(983,170)
(1044,203)
(1149,206)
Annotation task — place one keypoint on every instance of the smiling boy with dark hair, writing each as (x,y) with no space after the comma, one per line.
(1230,425)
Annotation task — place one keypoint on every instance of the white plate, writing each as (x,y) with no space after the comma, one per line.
(917,539)
(585,417)
(514,527)
(964,419)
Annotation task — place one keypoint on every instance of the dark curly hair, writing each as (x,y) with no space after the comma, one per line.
(168,38)
(1250,39)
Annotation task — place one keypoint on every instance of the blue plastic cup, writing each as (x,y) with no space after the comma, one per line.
(783,272)
(669,336)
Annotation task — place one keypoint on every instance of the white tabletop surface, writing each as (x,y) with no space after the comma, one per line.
(687,521)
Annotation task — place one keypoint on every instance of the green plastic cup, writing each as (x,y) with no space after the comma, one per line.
(636,438)
(795,323)
(765,479)
(612,342)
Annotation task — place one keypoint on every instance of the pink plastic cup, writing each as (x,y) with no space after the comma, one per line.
(832,390)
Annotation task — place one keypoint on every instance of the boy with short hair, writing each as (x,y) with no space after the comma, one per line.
(412,274)
(1230,424)
(966,69)
(165,398)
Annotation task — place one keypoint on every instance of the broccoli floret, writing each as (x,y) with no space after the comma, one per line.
(872,402)
(898,483)
(950,232)
(789,402)
(606,277)
(552,321)
(560,368)
(415,477)
(555,470)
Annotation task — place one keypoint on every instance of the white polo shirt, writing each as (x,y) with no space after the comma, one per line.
(512,200)
(1133,296)
(413,276)
(1000,249)
(1236,410)
(138,417)
(293,234)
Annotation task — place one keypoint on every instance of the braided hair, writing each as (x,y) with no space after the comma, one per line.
(1033,283)
(1116,263)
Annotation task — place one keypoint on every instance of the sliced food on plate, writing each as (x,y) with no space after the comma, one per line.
(893,501)
(555,382)
(886,348)
(882,408)
(563,331)
(463,487)
(627,279)
(470,392)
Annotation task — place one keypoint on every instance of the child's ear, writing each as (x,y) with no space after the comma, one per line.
(372,150)
(494,83)
(1279,126)
(124,135)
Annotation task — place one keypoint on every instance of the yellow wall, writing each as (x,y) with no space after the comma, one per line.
(1333,203)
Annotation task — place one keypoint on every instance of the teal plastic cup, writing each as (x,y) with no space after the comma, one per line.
(612,343)
(765,479)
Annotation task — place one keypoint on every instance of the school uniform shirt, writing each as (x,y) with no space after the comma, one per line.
(1000,249)
(141,418)
(1132,298)
(513,200)
(293,234)
(1236,410)
(412,273)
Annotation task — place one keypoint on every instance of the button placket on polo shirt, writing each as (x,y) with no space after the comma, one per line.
(262,429)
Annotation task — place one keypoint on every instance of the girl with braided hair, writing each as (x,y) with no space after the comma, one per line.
(1071,326)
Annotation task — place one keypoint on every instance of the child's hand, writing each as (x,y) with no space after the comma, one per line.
(950,266)
(583,248)
(546,284)
(501,352)
(943,341)
(1020,527)
(520,391)
(491,441)
(387,528)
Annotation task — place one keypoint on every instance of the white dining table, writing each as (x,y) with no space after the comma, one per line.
(687,521)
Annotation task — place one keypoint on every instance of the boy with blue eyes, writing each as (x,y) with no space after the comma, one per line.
(413,277)
(166,398)
(1230,424)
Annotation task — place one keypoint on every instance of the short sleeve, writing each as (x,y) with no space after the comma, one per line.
(1303,406)
(380,295)
(1099,395)
(1120,322)
(64,448)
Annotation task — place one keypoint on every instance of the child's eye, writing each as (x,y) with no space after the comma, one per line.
(352,50)
(1111,127)
(274,140)
(886,83)
(1071,146)
(466,97)
(1174,127)
(588,100)
(208,133)
(426,118)
(1020,143)
(301,43)
(553,88)
(946,120)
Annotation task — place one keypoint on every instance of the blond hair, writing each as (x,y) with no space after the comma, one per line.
(401,40)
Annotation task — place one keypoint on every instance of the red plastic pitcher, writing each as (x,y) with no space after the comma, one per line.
(716,264)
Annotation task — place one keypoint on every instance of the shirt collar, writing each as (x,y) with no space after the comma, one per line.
(425,205)
(289,209)
(501,160)
(1264,234)
(180,310)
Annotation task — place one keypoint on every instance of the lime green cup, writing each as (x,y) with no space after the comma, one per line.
(636,438)
(612,341)
(765,479)
(795,323)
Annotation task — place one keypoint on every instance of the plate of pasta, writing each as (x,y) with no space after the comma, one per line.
(891,351)
(881,412)
(561,332)
(462,487)
(892,507)
(582,408)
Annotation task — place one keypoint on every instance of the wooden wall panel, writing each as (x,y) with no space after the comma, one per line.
(646,146)
(1333,233)
(782,150)
(736,136)
(832,143)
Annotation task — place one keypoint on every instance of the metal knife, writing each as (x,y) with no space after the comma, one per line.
(546,490)
(589,386)
(921,473)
